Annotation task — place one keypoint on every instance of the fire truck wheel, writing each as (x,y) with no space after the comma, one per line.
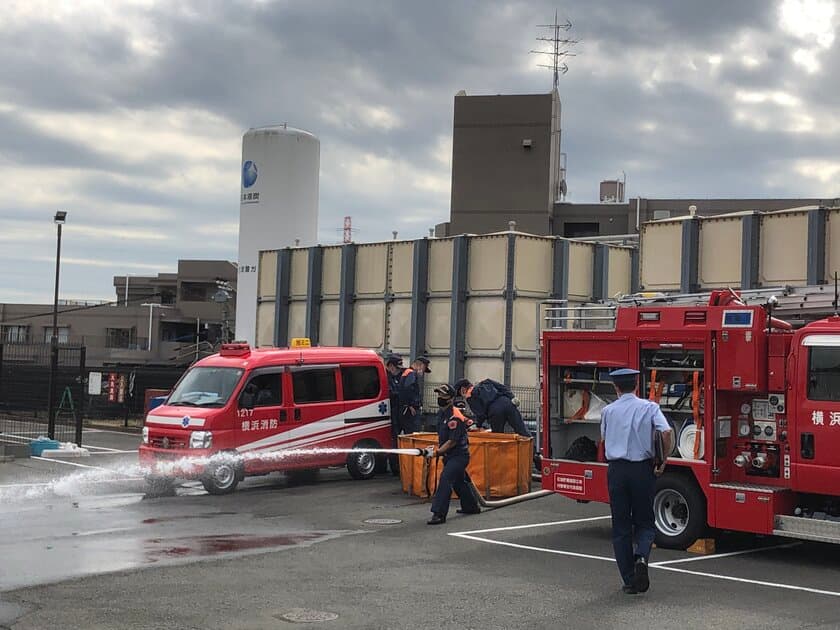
(362,465)
(222,476)
(679,510)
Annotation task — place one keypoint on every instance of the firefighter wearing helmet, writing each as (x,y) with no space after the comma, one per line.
(453,447)
(628,428)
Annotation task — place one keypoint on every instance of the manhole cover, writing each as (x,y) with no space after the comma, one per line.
(382,521)
(304,615)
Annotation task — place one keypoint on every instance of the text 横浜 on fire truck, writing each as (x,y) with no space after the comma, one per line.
(754,404)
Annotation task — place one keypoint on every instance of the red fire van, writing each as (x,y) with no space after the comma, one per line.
(251,411)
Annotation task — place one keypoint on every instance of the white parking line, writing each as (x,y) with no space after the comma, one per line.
(530,548)
(533,526)
(730,578)
(663,566)
(730,554)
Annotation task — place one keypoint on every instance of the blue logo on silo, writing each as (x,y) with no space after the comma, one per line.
(249,173)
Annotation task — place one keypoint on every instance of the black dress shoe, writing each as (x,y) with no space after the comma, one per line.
(437,519)
(629,590)
(641,582)
(475,511)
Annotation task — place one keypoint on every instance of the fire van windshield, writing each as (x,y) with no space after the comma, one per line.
(205,387)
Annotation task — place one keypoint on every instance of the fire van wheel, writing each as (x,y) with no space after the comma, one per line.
(362,465)
(221,477)
(679,511)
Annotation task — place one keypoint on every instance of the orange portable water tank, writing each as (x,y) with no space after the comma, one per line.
(500,464)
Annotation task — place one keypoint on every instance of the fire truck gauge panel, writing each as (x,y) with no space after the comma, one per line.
(746,408)
(761,409)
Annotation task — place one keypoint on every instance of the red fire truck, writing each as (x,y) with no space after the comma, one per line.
(253,411)
(754,404)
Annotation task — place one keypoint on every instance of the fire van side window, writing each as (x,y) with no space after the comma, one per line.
(313,386)
(824,373)
(360,383)
(264,390)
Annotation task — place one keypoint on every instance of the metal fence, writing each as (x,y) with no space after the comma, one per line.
(24,392)
(122,397)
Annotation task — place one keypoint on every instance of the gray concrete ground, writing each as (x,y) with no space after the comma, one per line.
(82,548)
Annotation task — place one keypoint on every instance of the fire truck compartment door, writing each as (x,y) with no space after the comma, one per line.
(584,481)
(596,351)
(742,508)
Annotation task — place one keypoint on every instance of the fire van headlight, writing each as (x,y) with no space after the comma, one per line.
(201,439)
(145,435)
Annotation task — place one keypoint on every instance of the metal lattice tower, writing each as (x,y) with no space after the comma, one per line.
(560,47)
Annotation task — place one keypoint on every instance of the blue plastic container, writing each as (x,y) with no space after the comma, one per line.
(40,445)
(157,401)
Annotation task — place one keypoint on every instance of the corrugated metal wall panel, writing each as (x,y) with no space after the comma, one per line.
(619,271)
(328,332)
(783,254)
(297,319)
(581,260)
(298,277)
(832,244)
(660,256)
(402,266)
(331,271)
(369,324)
(371,269)
(267,282)
(265,324)
(720,252)
(437,331)
(440,266)
(533,273)
(487,264)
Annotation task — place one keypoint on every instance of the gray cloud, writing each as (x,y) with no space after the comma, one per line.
(689,98)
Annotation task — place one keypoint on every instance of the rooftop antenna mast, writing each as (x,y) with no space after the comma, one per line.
(560,45)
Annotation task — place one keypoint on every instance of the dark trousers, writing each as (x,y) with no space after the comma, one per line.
(409,423)
(631,486)
(503,412)
(454,477)
(393,460)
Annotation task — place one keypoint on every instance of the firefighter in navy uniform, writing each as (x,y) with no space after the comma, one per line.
(627,427)
(409,395)
(394,369)
(453,447)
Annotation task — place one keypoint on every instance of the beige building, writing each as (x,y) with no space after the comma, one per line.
(178,308)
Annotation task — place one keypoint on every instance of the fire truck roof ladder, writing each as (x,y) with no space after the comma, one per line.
(560,315)
(700,299)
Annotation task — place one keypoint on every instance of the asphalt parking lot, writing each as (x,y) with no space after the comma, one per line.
(82,548)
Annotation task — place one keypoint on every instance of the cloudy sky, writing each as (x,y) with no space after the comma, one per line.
(129,114)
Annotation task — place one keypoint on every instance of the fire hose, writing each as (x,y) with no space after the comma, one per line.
(485,503)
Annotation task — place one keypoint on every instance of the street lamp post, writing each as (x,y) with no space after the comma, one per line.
(59,219)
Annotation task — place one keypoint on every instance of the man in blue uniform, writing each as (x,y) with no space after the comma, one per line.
(627,428)
(493,402)
(453,446)
(410,396)
(394,369)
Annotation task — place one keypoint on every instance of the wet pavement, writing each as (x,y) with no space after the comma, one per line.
(82,548)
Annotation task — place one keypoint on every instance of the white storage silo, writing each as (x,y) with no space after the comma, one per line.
(278,206)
